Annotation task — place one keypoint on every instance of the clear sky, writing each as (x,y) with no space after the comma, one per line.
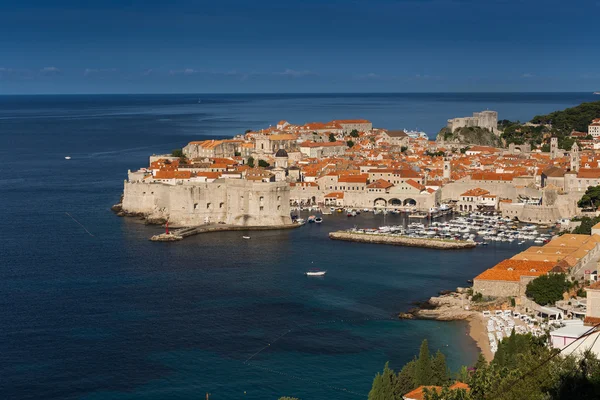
(225,46)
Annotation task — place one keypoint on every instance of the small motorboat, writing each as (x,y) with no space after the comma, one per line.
(318,220)
(246,237)
(300,221)
(311,219)
(67,157)
(314,272)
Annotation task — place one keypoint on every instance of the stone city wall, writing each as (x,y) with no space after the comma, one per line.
(496,288)
(235,202)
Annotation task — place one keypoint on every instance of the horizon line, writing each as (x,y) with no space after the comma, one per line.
(288,93)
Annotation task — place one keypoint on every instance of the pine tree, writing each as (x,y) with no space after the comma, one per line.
(405,381)
(384,385)
(481,362)
(423,365)
(439,370)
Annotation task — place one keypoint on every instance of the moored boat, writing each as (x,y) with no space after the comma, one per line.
(314,272)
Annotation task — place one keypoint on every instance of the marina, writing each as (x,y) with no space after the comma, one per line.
(480,229)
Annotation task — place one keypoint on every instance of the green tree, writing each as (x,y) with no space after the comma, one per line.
(591,198)
(546,148)
(384,385)
(423,365)
(354,133)
(350,143)
(439,371)
(547,289)
(403,148)
(251,162)
(237,153)
(263,163)
(481,362)
(177,153)
(406,378)
(585,228)
(332,137)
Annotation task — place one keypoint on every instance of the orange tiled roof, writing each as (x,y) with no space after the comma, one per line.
(362,178)
(419,393)
(512,270)
(335,195)
(380,184)
(475,192)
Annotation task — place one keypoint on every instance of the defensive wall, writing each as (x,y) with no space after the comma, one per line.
(229,201)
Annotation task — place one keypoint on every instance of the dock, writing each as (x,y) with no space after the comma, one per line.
(399,240)
(181,233)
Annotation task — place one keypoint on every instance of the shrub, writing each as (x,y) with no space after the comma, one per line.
(547,289)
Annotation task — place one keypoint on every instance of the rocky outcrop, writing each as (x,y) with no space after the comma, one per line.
(469,136)
(401,240)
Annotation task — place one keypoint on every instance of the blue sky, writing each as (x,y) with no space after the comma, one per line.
(235,46)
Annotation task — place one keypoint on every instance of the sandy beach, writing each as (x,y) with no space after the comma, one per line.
(477,330)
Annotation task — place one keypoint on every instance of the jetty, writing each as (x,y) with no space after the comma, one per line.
(399,240)
(181,233)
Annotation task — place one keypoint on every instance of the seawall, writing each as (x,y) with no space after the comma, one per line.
(179,234)
(402,240)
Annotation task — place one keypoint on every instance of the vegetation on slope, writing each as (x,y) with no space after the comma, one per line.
(576,118)
(469,135)
(524,367)
(557,124)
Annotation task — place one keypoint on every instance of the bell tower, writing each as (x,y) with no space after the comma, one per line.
(575,157)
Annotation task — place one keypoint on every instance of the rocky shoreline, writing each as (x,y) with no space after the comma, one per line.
(454,306)
(118,209)
(402,241)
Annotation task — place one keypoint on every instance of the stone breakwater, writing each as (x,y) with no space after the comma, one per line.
(179,234)
(402,240)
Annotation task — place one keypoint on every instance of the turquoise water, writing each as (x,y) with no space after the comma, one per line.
(114,316)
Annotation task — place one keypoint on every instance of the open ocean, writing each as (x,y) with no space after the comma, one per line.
(110,315)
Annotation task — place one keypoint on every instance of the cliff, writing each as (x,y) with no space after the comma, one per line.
(469,136)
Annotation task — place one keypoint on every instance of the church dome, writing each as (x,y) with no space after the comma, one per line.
(281,153)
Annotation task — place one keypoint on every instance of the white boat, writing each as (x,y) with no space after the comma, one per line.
(67,157)
(245,237)
(300,221)
(318,220)
(315,273)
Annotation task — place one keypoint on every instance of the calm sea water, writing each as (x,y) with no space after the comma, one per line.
(110,315)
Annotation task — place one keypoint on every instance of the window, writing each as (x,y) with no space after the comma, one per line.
(261,199)
(208,206)
(278,208)
(261,208)
(278,198)
(195,206)
(221,205)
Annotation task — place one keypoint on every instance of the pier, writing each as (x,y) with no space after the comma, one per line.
(399,240)
(181,233)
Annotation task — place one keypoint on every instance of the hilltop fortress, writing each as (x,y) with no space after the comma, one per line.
(484,119)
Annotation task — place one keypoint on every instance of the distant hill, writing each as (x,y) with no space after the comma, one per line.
(576,118)
(469,135)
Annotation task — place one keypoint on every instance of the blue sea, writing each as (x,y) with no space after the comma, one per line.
(91,309)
